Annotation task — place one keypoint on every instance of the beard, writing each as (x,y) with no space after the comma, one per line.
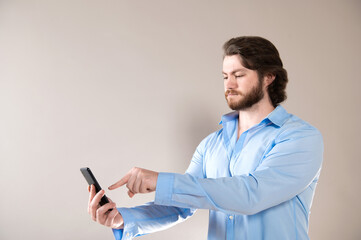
(248,100)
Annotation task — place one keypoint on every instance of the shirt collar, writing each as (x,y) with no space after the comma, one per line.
(229,117)
(278,116)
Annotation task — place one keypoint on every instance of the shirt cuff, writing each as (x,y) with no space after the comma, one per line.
(118,233)
(164,189)
(129,230)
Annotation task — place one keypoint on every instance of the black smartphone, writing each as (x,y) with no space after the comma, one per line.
(89,176)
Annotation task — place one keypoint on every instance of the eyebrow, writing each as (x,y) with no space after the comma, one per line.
(237,70)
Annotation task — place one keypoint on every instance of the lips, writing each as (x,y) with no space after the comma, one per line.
(232,93)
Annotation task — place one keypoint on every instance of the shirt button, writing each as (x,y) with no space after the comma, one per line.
(230,217)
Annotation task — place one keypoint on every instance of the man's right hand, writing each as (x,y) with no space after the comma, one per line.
(103,214)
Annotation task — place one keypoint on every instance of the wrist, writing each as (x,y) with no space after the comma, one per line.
(119,222)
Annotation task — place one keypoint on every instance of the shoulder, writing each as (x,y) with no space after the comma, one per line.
(211,139)
(295,127)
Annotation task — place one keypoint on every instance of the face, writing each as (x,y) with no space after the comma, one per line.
(242,86)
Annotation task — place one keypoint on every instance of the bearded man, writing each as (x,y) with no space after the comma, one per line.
(257,175)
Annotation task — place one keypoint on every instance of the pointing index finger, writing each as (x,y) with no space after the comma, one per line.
(121,182)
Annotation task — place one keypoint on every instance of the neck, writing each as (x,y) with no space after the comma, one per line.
(253,115)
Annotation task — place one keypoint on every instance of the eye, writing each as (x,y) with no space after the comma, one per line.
(225,77)
(239,76)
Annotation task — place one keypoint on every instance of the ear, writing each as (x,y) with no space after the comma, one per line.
(268,79)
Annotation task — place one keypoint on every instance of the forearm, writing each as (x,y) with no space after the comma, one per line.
(149,218)
(285,171)
(245,194)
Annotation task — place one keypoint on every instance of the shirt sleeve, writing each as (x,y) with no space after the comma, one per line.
(288,168)
(149,218)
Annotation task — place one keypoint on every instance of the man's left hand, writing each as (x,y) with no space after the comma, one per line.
(138,180)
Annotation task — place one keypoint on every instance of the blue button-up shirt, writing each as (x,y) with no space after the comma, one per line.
(259,186)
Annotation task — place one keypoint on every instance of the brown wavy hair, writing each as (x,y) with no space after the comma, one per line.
(261,55)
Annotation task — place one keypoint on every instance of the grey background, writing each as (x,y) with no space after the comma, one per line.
(117,84)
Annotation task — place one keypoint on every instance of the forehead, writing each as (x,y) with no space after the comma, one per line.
(232,64)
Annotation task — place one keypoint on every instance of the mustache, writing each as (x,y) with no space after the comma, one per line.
(232,92)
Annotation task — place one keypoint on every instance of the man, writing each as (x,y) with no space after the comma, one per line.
(257,175)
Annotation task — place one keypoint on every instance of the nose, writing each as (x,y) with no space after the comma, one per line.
(230,83)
